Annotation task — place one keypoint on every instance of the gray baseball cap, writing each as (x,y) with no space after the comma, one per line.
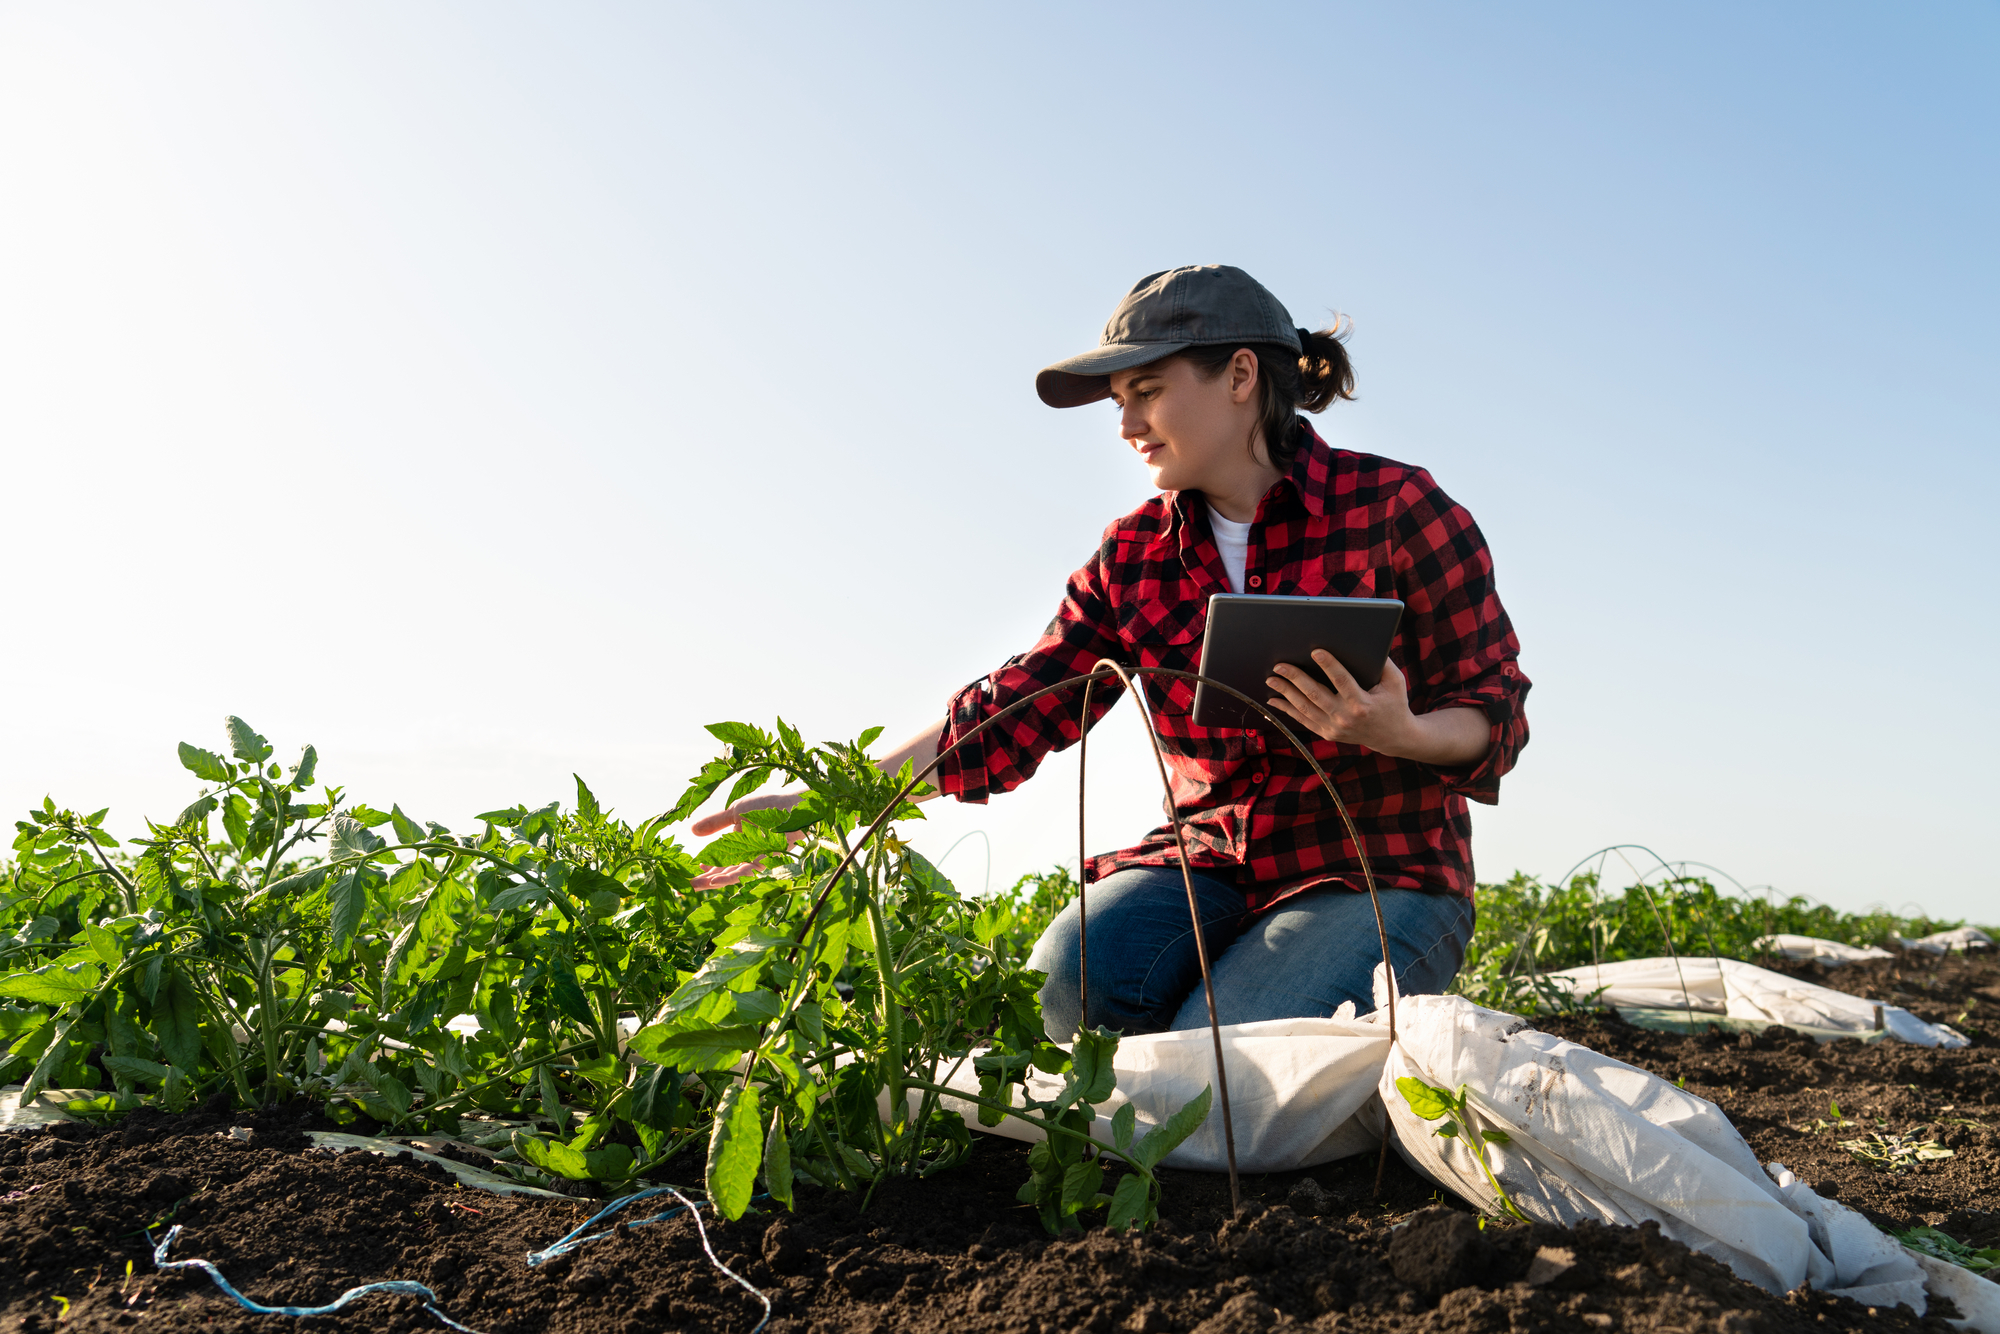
(1165,313)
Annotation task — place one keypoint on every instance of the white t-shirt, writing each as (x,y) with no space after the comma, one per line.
(1234,541)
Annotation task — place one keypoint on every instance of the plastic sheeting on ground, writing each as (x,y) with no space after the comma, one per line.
(1589,1138)
(1943,942)
(1818,947)
(1744,991)
(1301,1091)
(477,1177)
(48,1106)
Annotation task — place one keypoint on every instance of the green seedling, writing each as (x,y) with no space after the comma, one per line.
(1944,1246)
(1067,1168)
(1434,1104)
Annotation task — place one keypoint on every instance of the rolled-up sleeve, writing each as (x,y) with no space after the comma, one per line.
(1005,755)
(1459,649)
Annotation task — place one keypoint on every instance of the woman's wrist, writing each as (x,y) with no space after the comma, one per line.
(1448,738)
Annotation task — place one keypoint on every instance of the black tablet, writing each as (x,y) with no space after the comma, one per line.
(1249,634)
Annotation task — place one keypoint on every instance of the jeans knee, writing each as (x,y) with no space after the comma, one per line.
(1055,955)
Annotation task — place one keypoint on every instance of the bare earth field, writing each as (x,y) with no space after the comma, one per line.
(289,1223)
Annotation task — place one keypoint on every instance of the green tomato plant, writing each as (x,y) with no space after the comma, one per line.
(559,967)
(1454,1110)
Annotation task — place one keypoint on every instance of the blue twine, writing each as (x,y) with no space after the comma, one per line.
(575,1237)
(403,1286)
(686,1206)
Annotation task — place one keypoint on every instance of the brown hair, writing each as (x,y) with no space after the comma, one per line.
(1289,380)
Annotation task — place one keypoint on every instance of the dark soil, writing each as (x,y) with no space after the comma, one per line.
(957,1255)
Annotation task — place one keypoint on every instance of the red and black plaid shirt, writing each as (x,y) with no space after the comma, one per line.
(1341,525)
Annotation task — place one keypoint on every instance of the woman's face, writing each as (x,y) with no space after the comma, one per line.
(1193,434)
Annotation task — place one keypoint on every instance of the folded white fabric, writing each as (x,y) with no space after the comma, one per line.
(1943,942)
(1817,947)
(1301,1091)
(1741,990)
(1863,1264)
(1588,1138)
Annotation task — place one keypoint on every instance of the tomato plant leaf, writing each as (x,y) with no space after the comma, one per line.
(103,943)
(302,776)
(347,899)
(778,1163)
(656,1098)
(352,839)
(695,1050)
(151,1072)
(748,783)
(735,967)
(1091,1071)
(735,1150)
(741,735)
(407,830)
(743,845)
(1080,1183)
(1131,1203)
(568,994)
(611,1163)
(177,1020)
(1425,1101)
(52,1061)
(52,984)
(1167,1136)
(1122,1123)
(244,743)
(300,882)
(204,764)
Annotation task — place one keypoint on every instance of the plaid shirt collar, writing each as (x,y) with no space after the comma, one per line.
(1310,481)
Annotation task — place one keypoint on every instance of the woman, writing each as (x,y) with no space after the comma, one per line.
(1208,373)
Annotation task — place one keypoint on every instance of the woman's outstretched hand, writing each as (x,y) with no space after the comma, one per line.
(919,751)
(732,819)
(1379,719)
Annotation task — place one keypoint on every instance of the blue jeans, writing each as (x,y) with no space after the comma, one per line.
(1300,959)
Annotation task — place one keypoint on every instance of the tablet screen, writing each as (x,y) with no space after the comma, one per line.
(1249,634)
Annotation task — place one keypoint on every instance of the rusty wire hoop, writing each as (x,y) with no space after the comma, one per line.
(1104,669)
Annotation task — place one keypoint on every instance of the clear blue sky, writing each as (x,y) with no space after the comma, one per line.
(486,392)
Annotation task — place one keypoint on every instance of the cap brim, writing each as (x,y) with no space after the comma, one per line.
(1086,378)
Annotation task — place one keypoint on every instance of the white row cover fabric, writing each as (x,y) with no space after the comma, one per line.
(1301,1091)
(1943,942)
(1591,1138)
(1744,991)
(1818,947)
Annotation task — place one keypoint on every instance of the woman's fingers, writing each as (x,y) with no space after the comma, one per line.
(1343,680)
(725,875)
(732,818)
(1306,687)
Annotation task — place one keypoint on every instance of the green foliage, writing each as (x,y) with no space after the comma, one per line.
(1526,929)
(1066,1170)
(1944,1246)
(1436,1104)
(275,939)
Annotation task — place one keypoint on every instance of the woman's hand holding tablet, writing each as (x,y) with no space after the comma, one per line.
(1379,719)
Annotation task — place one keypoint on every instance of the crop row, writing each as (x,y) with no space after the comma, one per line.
(275,940)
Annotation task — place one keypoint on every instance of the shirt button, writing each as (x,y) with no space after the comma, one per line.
(1256,581)
(1257,777)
